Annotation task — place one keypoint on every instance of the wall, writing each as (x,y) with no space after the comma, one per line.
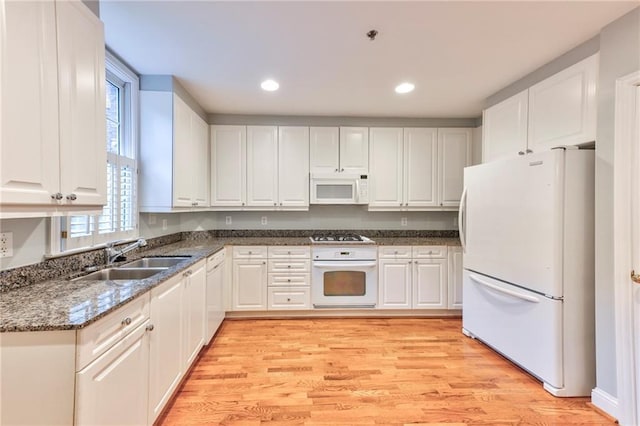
(619,56)
(29,241)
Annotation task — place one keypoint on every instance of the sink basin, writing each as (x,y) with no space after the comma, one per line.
(121,274)
(155,262)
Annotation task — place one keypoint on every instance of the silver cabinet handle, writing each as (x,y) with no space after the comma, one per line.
(243,204)
(150,327)
(342,170)
(72,197)
(288,299)
(288,266)
(520,152)
(275,204)
(336,170)
(529,151)
(264,263)
(57,196)
(289,280)
(126,321)
(280,202)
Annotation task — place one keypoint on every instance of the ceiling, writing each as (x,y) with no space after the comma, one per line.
(456,53)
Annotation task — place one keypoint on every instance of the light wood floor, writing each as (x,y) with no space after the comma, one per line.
(362,372)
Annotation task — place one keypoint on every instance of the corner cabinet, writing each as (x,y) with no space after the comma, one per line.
(560,110)
(53,134)
(259,168)
(174,160)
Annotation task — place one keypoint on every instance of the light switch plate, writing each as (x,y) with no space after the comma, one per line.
(6,244)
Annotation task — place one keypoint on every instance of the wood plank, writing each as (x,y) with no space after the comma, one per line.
(362,371)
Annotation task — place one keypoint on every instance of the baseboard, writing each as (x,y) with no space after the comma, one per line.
(605,402)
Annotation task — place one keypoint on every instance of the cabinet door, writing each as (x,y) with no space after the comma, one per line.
(113,389)
(454,154)
(262,166)
(562,108)
(455,278)
(354,150)
(194,315)
(504,128)
(81,77)
(420,165)
(166,342)
(200,132)
(215,300)
(293,166)
(324,151)
(184,155)
(29,143)
(386,167)
(394,284)
(228,165)
(430,284)
(249,285)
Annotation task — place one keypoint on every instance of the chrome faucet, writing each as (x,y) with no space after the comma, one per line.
(112,254)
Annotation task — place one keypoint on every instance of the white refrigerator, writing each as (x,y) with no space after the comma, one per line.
(527,230)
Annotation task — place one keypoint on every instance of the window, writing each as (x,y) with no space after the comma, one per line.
(119,217)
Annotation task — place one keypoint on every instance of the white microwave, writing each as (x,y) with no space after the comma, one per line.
(339,188)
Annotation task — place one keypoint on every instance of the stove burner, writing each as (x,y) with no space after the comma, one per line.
(337,237)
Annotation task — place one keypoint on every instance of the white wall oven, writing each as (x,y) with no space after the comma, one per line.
(344,277)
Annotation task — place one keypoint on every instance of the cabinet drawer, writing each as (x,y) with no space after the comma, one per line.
(394,252)
(289,298)
(290,252)
(249,252)
(94,340)
(422,252)
(289,280)
(215,259)
(284,265)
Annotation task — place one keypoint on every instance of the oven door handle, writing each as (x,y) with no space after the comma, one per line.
(344,265)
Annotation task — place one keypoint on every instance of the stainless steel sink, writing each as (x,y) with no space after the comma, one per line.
(121,274)
(155,262)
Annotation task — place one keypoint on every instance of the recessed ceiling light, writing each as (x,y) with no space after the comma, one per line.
(405,87)
(270,85)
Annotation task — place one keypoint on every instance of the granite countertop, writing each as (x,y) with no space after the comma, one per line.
(62,304)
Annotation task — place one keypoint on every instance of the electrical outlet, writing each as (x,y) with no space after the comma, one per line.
(164,224)
(403,221)
(6,244)
(227,220)
(152,219)
(263,220)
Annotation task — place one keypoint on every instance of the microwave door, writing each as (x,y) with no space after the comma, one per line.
(334,192)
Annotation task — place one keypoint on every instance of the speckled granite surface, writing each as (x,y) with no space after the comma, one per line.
(60,304)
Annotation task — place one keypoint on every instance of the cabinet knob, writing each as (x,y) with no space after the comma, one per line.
(57,196)
(126,321)
(150,327)
(406,204)
(250,252)
(400,203)
(520,152)
(243,204)
(336,170)
(72,197)
(529,151)
(288,266)
(275,204)
(342,170)
(288,299)
(289,280)
(264,263)
(280,202)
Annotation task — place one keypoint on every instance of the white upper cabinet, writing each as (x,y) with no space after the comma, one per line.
(53,133)
(228,165)
(504,128)
(293,167)
(262,166)
(454,147)
(354,150)
(417,168)
(339,150)
(421,165)
(324,148)
(172,137)
(386,164)
(560,110)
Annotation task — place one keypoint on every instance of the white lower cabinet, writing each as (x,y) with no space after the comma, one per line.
(289,297)
(412,277)
(215,306)
(165,363)
(289,282)
(455,278)
(249,282)
(113,389)
(194,297)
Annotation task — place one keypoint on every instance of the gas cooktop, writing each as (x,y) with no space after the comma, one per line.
(340,239)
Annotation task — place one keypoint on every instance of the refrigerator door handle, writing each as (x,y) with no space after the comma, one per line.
(508,292)
(461,216)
